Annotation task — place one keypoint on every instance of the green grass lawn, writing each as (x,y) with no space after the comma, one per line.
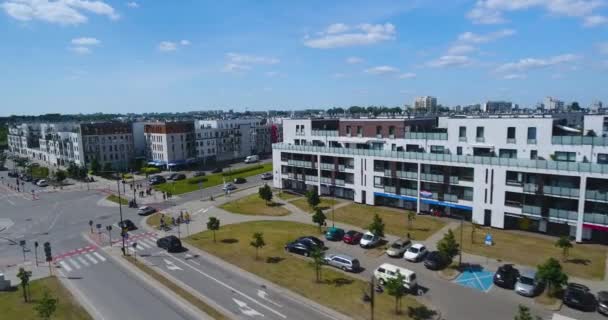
(192,184)
(286,195)
(114,198)
(40,172)
(585,260)
(337,290)
(13,307)
(324,205)
(395,220)
(154,220)
(253,205)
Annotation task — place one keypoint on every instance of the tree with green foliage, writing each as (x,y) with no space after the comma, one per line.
(24,276)
(523,313)
(265,193)
(107,167)
(318,259)
(94,166)
(46,306)
(258,242)
(565,244)
(312,197)
(60,175)
(448,247)
(411,216)
(213,224)
(377,226)
(319,218)
(552,274)
(421,313)
(394,287)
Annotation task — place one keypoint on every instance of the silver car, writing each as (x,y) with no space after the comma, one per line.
(342,261)
(397,248)
(528,284)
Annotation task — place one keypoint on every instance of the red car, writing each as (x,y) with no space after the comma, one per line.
(352,237)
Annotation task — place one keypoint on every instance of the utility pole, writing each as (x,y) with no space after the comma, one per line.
(120,211)
(461,233)
(109,228)
(36,252)
(133,183)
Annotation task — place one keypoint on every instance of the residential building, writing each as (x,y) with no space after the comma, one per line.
(170,144)
(498,107)
(426,103)
(111,143)
(497,171)
(554,104)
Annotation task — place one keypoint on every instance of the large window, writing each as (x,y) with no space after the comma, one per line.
(511,135)
(532,135)
(565,156)
(348,131)
(391,131)
(479,134)
(359,130)
(507,153)
(379,130)
(462,133)
(602,158)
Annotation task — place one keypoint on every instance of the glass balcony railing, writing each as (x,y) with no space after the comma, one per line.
(409,192)
(327,166)
(596,195)
(325,180)
(325,133)
(532,210)
(431,177)
(480,139)
(596,218)
(427,135)
(430,157)
(312,178)
(511,140)
(580,140)
(389,189)
(561,191)
(301,163)
(462,139)
(407,175)
(563,214)
(531,141)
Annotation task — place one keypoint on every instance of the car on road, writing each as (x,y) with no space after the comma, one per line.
(602,302)
(435,261)
(127,224)
(42,183)
(528,285)
(266,176)
(388,271)
(170,243)
(342,261)
(199,174)
(398,247)
(369,240)
(217,170)
(154,180)
(177,177)
(334,234)
(300,248)
(352,237)
(145,210)
(252,159)
(506,276)
(312,241)
(239,180)
(415,252)
(229,187)
(579,297)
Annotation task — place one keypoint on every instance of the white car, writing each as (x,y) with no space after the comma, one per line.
(369,240)
(415,253)
(42,183)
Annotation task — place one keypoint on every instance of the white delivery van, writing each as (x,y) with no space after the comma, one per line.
(251,159)
(388,271)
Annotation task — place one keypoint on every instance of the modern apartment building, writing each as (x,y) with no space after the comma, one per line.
(554,104)
(427,103)
(498,171)
(170,144)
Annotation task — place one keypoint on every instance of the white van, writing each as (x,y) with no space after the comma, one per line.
(388,271)
(251,159)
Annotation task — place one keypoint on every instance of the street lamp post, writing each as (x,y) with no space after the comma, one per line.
(124,252)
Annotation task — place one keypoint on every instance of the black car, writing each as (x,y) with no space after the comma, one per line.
(177,176)
(579,297)
(127,224)
(301,248)
(199,174)
(240,180)
(170,243)
(506,276)
(602,302)
(435,261)
(156,180)
(217,170)
(312,242)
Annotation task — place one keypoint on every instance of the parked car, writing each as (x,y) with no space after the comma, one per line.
(198,174)
(369,240)
(127,224)
(145,210)
(13,174)
(240,180)
(388,271)
(177,176)
(312,241)
(229,187)
(506,276)
(415,252)
(342,261)
(266,176)
(352,237)
(300,248)
(397,248)
(42,183)
(436,261)
(170,243)
(602,302)
(153,180)
(579,296)
(334,234)
(217,170)
(35,181)
(252,159)
(528,285)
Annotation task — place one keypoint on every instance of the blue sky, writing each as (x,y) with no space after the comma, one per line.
(73,56)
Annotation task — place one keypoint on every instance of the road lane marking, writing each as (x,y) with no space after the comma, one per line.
(171,266)
(230,288)
(149,242)
(247,310)
(74,263)
(88,256)
(65,266)
(264,295)
(99,256)
(143,244)
(86,264)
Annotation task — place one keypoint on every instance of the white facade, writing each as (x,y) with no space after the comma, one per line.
(231,139)
(554,104)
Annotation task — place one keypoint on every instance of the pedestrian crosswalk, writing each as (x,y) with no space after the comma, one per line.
(144,242)
(78,259)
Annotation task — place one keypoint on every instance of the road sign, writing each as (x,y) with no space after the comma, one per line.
(489,241)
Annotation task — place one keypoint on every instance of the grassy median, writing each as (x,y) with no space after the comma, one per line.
(201,305)
(337,290)
(584,260)
(286,195)
(325,203)
(115,199)
(254,205)
(13,307)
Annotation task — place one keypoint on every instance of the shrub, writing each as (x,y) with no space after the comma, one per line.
(150,170)
(196,180)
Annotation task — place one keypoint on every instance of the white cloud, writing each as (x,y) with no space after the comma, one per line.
(535,63)
(382,70)
(85,41)
(63,12)
(250,59)
(450,61)
(340,35)
(407,75)
(514,76)
(602,47)
(234,67)
(80,50)
(354,60)
(461,49)
(167,46)
(471,37)
(132,4)
(491,11)
(185,42)
(594,21)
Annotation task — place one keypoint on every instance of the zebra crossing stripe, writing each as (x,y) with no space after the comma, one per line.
(149,242)
(143,244)
(100,257)
(65,266)
(74,263)
(86,264)
(88,256)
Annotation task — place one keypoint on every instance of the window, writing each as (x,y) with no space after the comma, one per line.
(348,132)
(602,158)
(507,153)
(378,183)
(511,135)
(437,149)
(359,130)
(564,156)
(533,154)
(532,135)
(462,133)
(379,130)
(479,134)
(459,151)
(391,131)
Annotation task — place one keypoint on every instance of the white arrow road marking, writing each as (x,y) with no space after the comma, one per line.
(171,266)
(247,310)
(262,294)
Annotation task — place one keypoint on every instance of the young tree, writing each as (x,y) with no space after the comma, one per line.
(213,224)
(95,166)
(319,218)
(318,259)
(411,216)
(564,243)
(377,226)
(265,193)
(46,306)
(312,197)
(448,246)
(551,273)
(24,276)
(258,242)
(394,287)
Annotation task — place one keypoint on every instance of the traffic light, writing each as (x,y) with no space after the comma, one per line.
(47,252)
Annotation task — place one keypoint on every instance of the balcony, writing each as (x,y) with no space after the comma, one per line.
(515,183)
(531,141)
(389,189)
(596,218)
(596,195)
(324,133)
(327,166)
(552,190)
(480,139)
(531,210)
(512,203)
(426,135)
(462,139)
(311,178)
(431,177)
(407,175)
(580,140)
(409,192)
(563,214)
(301,164)
(511,140)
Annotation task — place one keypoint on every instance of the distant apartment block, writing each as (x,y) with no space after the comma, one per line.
(554,104)
(498,107)
(427,103)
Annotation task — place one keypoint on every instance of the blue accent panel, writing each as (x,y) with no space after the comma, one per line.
(427,201)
